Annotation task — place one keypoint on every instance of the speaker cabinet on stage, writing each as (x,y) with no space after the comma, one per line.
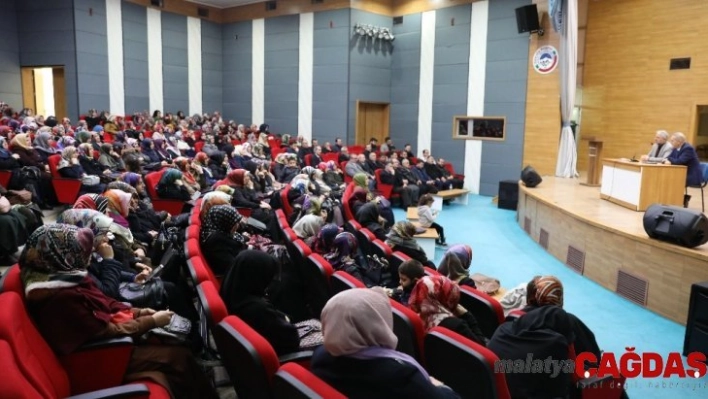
(686,227)
(530,177)
(696,339)
(508,194)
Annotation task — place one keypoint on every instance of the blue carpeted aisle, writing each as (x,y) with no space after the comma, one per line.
(504,251)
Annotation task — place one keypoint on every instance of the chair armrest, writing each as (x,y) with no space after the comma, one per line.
(302,358)
(123,391)
(88,368)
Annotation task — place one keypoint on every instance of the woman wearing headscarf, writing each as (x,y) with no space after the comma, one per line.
(437,300)
(212,199)
(189,173)
(118,206)
(171,146)
(263,181)
(70,311)
(13,232)
(110,158)
(456,264)
(171,186)
(358,357)
(368,216)
(325,239)
(219,238)
(342,257)
(206,178)
(147,147)
(307,228)
(95,202)
(87,161)
(333,175)
(8,160)
(70,168)
(401,238)
(28,156)
(543,291)
(43,144)
(161,150)
(547,333)
(245,196)
(244,293)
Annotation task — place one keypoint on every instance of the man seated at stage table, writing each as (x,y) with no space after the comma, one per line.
(684,154)
(660,150)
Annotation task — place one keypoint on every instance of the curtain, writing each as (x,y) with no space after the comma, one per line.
(567,151)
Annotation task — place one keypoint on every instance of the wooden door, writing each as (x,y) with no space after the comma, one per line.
(28,92)
(372,120)
(59,92)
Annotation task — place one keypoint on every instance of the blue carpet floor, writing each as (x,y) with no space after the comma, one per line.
(504,251)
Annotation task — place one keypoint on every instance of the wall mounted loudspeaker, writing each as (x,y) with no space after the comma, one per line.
(530,177)
(527,19)
(686,227)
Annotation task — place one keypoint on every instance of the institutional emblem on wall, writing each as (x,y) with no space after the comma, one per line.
(545,59)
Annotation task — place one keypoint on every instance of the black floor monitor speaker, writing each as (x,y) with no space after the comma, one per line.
(686,227)
(696,338)
(527,18)
(508,194)
(530,177)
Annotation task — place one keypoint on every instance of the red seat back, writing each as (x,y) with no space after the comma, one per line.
(487,310)
(67,190)
(342,281)
(5,176)
(289,234)
(409,329)
(198,146)
(248,358)
(447,351)
(284,200)
(11,282)
(429,271)
(381,249)
(192,232)
(308,160)
(385,189)
(293,381)
(211,302)
(35,358)
(397,258)
(330,156)
(14,384)
(151,180)
(53,162)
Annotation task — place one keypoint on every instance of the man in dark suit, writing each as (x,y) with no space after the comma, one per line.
(685,154)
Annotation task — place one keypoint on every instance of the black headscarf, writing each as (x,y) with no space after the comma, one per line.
(542,332)
(247,279)
(368,214)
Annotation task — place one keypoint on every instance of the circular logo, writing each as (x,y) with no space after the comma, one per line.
(545,59)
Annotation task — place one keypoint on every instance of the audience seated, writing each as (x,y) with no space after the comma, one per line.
(437,300)
(455,264)
(76,312)
(220,239)
(172,187)
(401,238)
(369,217)
(409,272)
(358,357)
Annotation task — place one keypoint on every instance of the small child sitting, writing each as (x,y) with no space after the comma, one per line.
(409,273)
(426,218)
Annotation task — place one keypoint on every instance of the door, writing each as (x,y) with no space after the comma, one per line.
(41,87)
(59,92)
(372,121)
(28,92)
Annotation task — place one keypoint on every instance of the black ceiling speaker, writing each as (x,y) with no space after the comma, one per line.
(530,177)
(527,19)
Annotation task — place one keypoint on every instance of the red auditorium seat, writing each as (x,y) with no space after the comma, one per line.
(429,271)
(5,176)
(514,314)
(192,232)
(249,359)
(287,209)
(293,381)
(200,272)
(347,178)
(67,190)
(173,207)
(308,160)
(330,156)
(79,373)
(487,310)
(211,302)
(352,226)
(289,234)
(397,258)
(451,169)
(342,281)
(198,146)
(11,281)
(385,189)
(446,353)
(365,237)
(316,272)
(381,249)
(409,329)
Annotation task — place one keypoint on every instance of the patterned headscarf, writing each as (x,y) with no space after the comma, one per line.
(118,201)
(549,291)
(212,199)
(57,248)
(434,298)
(343,246)
(325,238)
(221,218)
(92,201)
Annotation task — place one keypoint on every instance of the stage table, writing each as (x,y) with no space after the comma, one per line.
(637,185)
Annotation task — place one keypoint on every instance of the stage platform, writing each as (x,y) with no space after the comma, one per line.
(607,244)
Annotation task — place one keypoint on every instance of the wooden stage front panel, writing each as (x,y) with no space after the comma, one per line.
(612,238)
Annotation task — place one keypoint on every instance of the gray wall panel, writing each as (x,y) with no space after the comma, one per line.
(10,76)
(237,78)
(175,74)
(212,67)
(405,79)
(450,81)
(505,94)
(91,54)
(135,58)
(281,73)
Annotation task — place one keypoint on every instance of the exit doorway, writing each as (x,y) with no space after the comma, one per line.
(44,90)
(372,121)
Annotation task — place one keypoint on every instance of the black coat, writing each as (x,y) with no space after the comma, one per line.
(173,192)
(465,325)
(219,251)
(91,166)
(375,378)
